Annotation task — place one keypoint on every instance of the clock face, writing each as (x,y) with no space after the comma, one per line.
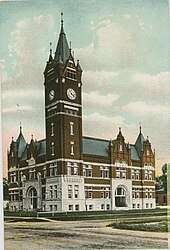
(71,94)
(51,95)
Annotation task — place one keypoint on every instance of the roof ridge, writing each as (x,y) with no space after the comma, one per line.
(95,138)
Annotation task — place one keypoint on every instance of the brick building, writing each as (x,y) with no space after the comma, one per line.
(71,172)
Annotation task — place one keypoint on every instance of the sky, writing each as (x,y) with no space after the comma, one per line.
(123,48)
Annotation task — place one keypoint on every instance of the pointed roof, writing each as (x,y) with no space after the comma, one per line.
(62,51)
(78,65)
(140,143)
(120,136)
(21,143)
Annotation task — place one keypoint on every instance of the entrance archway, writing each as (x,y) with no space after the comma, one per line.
(120,197)
(32,197)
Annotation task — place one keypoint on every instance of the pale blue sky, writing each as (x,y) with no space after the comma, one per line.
(123,47)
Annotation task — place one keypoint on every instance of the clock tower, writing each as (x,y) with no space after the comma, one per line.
(63,110)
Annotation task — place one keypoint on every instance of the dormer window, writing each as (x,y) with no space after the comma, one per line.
(147,152)
(120,148)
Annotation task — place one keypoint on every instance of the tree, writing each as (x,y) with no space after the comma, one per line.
(5,189)
(161,181)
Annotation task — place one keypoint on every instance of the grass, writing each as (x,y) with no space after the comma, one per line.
(153,220)
(152,224)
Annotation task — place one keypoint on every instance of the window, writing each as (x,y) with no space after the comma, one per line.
(137,194)
(151,205)
(138,205)
(120,148)
(146,175)
(133,175)
(150,194)
(70,207)
(146,194)
(134,205)
(32,173)
(89,172)
(13,177)
(107,173)
(101,173)
(102,195)
(51,208)
(71,74)
(76,191)
(147,152)
(84,170)
(51,192)
(147,205)
(70,191)
(52,148)
(71,128)
(68,168)
(117,164)
(52,129)
(90,207)
(150,175)
(107,195)
(117,174)
(44,172)
(108,207)
(124,175)
(55,207)
(55,192)
(75,168)
(77,207)
(90,194)
(102,206)
(133,195)
(72,148)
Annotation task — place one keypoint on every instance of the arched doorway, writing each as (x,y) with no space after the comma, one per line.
(120,197)
(32,197)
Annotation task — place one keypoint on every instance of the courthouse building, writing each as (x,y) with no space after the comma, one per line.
(68,171)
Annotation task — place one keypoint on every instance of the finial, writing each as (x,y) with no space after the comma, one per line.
(20,128)
(70,46)
(32,137)
(61,18)
(140,128)
(119,129)
(147,137)
(12,138)
(50,48)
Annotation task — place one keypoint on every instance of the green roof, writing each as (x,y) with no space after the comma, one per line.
(62,51)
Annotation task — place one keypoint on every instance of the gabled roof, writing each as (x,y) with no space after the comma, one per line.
(62,51)
(94,146)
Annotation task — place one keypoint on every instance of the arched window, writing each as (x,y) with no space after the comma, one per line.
(32,196)
(120,197)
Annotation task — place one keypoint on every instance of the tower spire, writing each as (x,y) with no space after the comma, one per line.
(62,52)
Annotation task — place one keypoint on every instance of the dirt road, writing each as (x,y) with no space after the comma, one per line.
(77,235)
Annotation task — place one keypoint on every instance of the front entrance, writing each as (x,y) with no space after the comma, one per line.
(120,197)
(32,198)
